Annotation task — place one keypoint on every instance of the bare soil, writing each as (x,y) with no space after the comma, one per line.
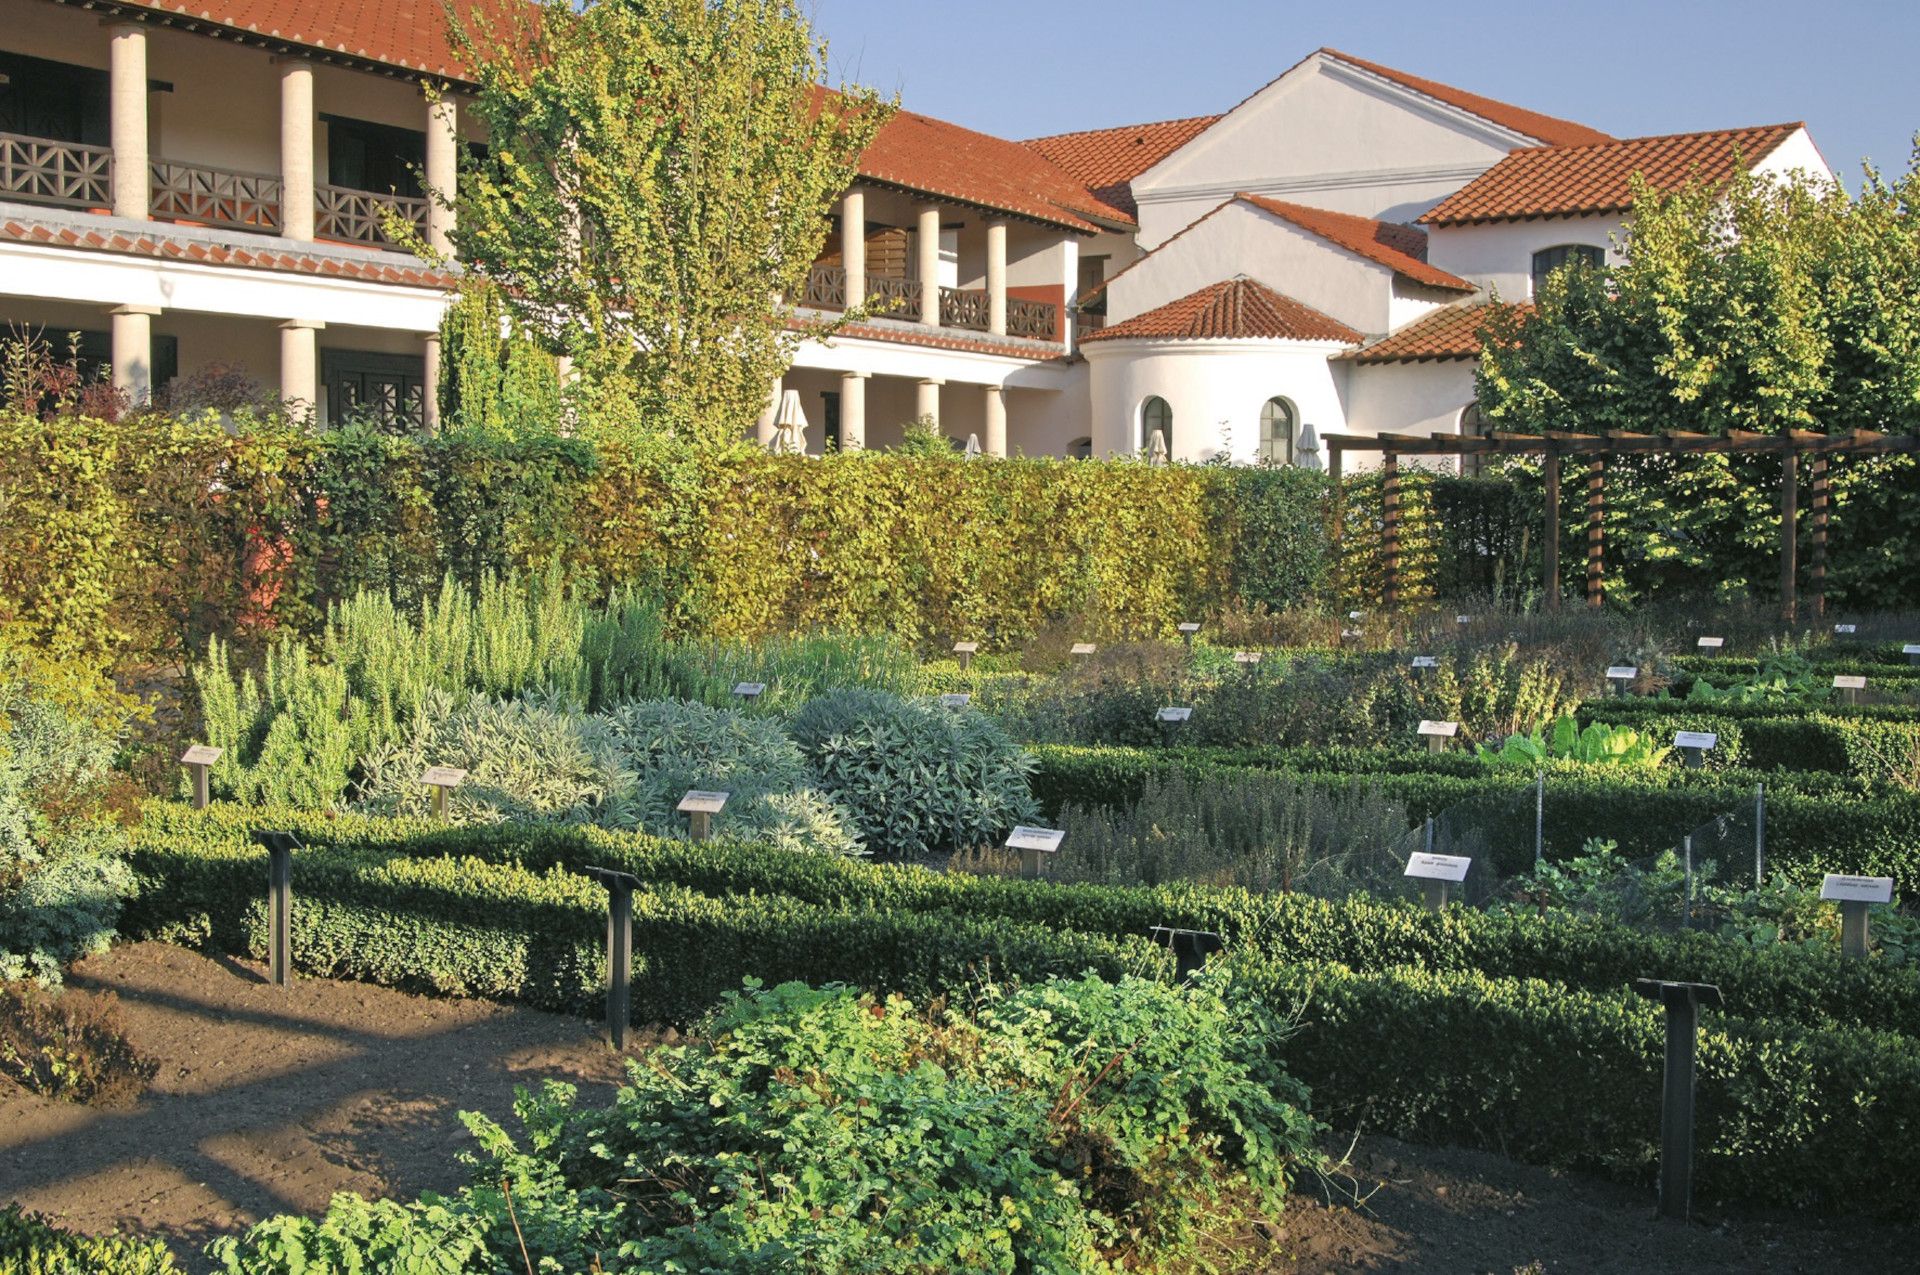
(270,1100)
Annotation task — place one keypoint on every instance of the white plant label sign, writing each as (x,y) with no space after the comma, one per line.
(1842,682)
(1701,739)
(1246,657)
(201,755)
(956,699)
(748,690)
(1463,619)
(1189,627)
(1444,730)
(1425,661)
(1911,648)
(1082,648)
(1622,673)
(1046,840)
(1171,714)
(1843,889)
(965,648)
(1356,616)
(699,802)
(1711,643)
(1846,629)
(1438,867)
(443,777)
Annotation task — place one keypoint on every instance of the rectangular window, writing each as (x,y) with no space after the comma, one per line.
(830,420)
(374,157)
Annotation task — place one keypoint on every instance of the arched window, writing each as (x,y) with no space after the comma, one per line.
(1548,260)
(1278,423)
(1156,414)
(1474,425)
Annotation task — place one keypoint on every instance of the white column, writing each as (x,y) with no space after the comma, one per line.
(300,363)
(927,248)
(1070,280)
(997,278)
(296,149)
(764,427)
(853,245)
(853,411)
(996,439)
(133,351)
(128,120)
(430,383)
(443,171)
(926,401)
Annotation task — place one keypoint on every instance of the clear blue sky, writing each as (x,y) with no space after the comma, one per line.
(1024,68)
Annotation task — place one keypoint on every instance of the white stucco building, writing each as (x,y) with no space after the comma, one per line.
(192,182)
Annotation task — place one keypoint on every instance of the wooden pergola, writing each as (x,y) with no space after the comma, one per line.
(1595,449)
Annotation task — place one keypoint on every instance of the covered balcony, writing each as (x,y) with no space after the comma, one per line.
(938,266)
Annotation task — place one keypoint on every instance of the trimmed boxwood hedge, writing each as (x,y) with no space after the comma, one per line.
(1815,823)
(1875,743)
(1539,1068)
(177,846)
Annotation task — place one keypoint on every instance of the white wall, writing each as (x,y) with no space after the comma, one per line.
(1797,157)
(1216,390)
(1498,255)
(1406,398)
(1241,239)
(1329,135)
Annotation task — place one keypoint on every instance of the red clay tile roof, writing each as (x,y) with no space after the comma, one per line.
(266,256)
(1547,128)
(1449,333)
(951,339)
(933,157)
(1400,248)
(411,34)
(1107,160)
(1237,308)
(1566,181)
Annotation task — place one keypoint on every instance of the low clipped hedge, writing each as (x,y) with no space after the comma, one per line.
(31,1244)
(1815,823)
(1801,1117)
(1876,743)
(200,864)
(1561,1069)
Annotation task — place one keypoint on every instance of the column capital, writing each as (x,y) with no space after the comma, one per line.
(855,375)
(151,311)
(294,325)
(931,380)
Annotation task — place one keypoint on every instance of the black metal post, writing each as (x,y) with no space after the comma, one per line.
(1191,948)
(1854,938)
(1682,1002)
(201,794)
(279,847)
(620,887)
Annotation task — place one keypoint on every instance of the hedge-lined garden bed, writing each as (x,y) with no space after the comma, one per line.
(1464,1027)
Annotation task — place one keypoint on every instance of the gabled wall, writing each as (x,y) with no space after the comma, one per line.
(1329,135)
(1498,255)
(1241,239)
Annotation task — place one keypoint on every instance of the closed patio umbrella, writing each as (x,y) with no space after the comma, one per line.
(790,427)
(1310,447)
(1157,448)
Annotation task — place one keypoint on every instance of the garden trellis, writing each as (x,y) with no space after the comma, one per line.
(1556,447)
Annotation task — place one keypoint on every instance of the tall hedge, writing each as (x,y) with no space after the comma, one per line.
(145,536)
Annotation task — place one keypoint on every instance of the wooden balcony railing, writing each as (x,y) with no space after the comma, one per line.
(964,308)
(70,174)
(360,216)
(894,298)
(216,196)
(1036,320)
(826,288)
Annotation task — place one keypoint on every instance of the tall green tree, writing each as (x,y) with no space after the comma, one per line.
(656,180)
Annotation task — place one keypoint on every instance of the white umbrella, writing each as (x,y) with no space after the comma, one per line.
(1309,447)
(973,447)
(1156,448)
(790,427)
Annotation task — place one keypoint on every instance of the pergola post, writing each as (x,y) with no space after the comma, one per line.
(1390,526)
(1550,540)
(1789,532)
(1817,584)
(1596,530)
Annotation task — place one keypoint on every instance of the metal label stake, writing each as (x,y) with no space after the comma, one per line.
(1191,948)
(279,847)
(198,760)
(1682,1002)
(620,888)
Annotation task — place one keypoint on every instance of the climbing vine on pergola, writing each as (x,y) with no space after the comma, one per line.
(1592,451)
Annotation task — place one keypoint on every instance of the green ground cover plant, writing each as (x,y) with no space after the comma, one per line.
(1072,1125)
(32,1245)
